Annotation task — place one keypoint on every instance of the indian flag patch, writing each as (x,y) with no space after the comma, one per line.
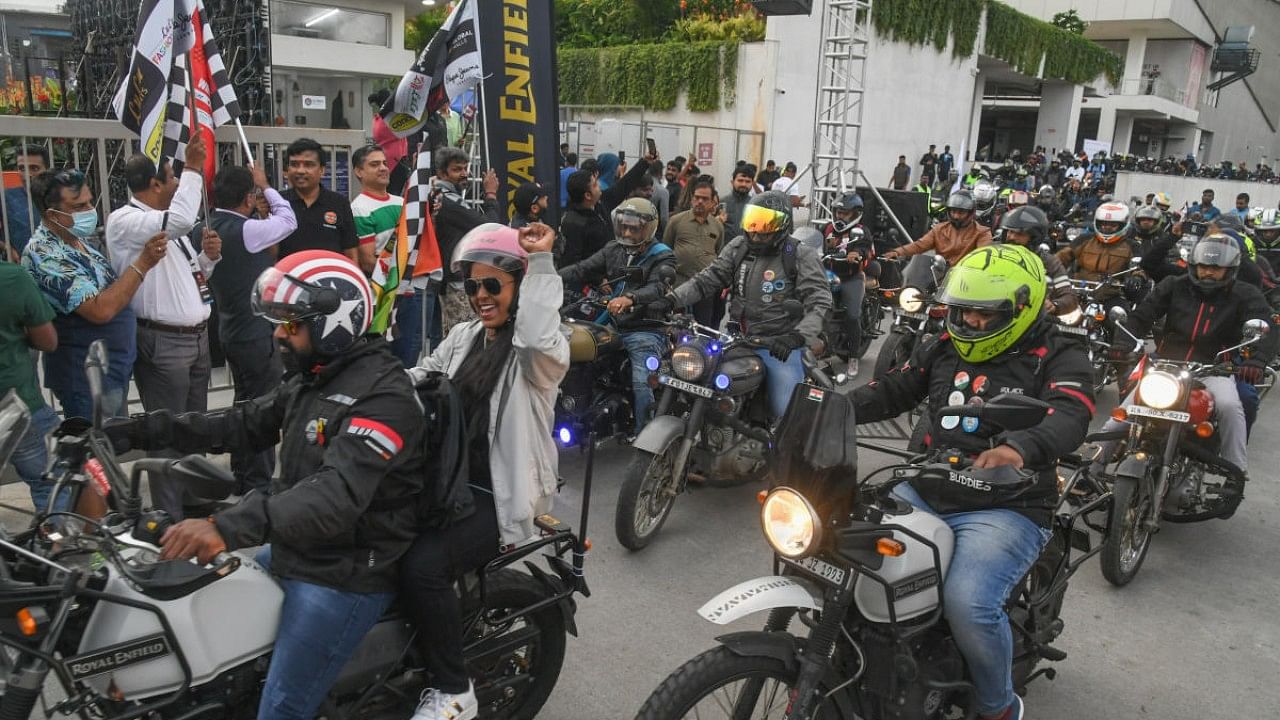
(381,438)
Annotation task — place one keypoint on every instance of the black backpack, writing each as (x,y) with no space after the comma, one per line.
(446,498)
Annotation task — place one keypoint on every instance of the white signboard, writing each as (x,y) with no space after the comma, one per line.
(1093,147)
(313,102)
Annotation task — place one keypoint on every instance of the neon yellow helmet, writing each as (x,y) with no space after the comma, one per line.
(1008,280)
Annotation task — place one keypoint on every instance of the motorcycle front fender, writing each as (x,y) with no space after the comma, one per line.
(783,647)
(763,593)
(658,433)
(1132,467)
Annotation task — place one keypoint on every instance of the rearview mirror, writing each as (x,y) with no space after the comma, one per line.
(1135,261)
(939,264)
(1254,329)
(1044,248)
(1117,314)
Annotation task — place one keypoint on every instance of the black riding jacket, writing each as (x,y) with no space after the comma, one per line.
(1042,365)
(1198,326)
(343,510)
(610,262)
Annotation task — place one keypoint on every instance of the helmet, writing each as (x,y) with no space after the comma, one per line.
(1254,213)
(984,194)
(1018,198)
(1216,250)
(1111,222)
(1008,280)
(851,201)
(635,222)
(1267,227)
(1163,201)
(1046,194)
(766,219)
(322,288)
(1022,172)
(490,244)
(960,200)
(1148,212)
(1229,221)
(1028,219)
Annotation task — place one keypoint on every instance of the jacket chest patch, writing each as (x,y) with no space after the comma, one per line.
(315,431)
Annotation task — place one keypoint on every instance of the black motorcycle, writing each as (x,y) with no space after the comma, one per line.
(128,635)
(871,314)
(862,573)
(596,391)
(712,421)
(915,317)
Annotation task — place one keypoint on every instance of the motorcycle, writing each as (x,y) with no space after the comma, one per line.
(1159,466)
(1091,323)
(712,420)
(128,635)
(862,571)
(870,315)
(1063,234)
(914,317)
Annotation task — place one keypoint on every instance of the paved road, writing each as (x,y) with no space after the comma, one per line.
(1194,637)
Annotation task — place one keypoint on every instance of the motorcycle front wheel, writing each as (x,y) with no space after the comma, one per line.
(646,496)
(721,684)
(895,351)
(1127,542)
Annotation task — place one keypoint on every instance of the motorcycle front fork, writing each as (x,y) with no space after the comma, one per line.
(1161,481)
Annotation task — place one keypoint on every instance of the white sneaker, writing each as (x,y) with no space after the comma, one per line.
(436,705)
(852,370)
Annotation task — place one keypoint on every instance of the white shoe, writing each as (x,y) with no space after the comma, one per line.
(436,705)
(852,370)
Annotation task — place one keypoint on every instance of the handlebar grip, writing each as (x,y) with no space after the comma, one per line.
(224,562)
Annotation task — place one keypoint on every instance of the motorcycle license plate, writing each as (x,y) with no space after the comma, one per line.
(685,386)
(1174,415)
(1073,330)
(822,569)
(910,315)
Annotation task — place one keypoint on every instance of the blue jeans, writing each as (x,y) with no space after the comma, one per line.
(80,404)
(31,459)
(641,345)
(994,550)
(851,292)
(320,627)
(781,378)
(408,344)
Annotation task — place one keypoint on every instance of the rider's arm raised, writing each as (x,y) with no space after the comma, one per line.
(540,347)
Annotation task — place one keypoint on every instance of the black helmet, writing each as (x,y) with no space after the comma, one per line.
(852,202)
(1148,212)
(1028,219)
(766,219)
(1229,221)
(1046,195)
(1216,250)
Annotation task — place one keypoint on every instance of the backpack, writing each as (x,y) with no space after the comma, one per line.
(446,498)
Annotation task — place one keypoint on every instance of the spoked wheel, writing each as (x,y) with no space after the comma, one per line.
(871,319)
(719,684)
(646,496)
(1127,540)
(515,664)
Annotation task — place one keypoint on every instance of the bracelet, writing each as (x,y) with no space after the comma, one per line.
(141,275)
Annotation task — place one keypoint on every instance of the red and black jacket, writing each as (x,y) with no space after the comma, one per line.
(1198,326)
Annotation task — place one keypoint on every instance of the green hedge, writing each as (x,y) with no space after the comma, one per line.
(650,75)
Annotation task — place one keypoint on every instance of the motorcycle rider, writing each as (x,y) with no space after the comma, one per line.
(507,365)
(340,515)
(1204,312)
(764,269)
(1047,201)
(952,239)
(998,340)
(1106,249)
(846,229)
(635,224)
(1266,232)
(1028,227)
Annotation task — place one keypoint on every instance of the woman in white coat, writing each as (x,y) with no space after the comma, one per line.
(507,365)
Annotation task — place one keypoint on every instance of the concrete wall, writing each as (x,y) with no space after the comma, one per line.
(1188,189)
(1247,112)
(1183,13)
(288,51)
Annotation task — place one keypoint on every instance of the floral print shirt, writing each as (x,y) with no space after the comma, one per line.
(66,276)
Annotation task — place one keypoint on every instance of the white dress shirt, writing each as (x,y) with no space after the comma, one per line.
(169,293)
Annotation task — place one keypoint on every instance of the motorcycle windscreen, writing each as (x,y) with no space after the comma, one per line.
(14,421)
(815,452)
(919,273)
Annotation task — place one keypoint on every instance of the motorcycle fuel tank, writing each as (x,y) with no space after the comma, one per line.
(220,626)
(588,341)
(913,579)
(745,371)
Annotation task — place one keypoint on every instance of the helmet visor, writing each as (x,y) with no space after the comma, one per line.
(757,219)
(282,298)
(630,227)
(1216,253)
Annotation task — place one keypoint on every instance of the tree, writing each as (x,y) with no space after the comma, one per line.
(1070,21)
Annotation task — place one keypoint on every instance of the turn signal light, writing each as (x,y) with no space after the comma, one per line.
(1099,316)
(760,496)
(1204,429)
(938,311)
(27,622)
(586,544)
(1119,414)
(890,547)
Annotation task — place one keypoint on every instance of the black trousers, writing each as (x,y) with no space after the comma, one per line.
(256,370)
(428,572)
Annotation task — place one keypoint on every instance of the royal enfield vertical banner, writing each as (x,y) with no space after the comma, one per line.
(521,114)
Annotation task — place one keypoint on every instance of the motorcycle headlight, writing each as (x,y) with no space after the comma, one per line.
(1072,318)
(911,300)
(688,363)
(790,523)
(1159,390)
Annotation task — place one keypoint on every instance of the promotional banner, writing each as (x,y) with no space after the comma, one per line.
(447,67)
(521,115)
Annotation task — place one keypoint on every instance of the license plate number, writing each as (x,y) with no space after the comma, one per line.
(822,569)
(910,315)
(685,386)
(1073,330)
(1174,415)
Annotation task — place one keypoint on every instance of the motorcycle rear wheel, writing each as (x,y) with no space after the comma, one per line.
(895,351)
(1126,544)
(711,684)
(646,496)
(872,316)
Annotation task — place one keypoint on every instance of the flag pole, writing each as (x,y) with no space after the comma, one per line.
(248,151)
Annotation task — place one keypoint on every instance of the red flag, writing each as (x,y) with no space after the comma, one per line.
(202,83)
(427,252)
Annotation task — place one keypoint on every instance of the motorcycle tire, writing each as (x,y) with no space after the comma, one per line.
(542,657)
(872,316)
(703,684)
(639,517)
(895,351)
(1125,545)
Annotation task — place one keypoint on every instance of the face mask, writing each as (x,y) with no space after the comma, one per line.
(83,223)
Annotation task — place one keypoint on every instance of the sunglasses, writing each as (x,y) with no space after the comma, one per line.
(290,325)
(491,285)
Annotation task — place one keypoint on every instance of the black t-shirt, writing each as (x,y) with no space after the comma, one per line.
(476,413)
(326,225)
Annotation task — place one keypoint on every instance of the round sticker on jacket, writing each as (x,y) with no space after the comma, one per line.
(766,298)
(331,218)
(975,400)
(962,380)
(980,384)
(779,284)
(969,424)
(766,287)
(949,422)
(955,398)
(769,275)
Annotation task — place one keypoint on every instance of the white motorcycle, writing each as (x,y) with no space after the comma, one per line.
(127,635)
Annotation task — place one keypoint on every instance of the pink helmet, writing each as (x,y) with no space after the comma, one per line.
(491,244)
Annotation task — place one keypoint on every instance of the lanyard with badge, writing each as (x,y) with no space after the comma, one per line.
(202,284)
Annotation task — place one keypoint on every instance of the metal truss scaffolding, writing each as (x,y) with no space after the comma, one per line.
(846,35)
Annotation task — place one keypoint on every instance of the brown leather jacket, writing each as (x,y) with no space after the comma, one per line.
(1091,259)
(949,242)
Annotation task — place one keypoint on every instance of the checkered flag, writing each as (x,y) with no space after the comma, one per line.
(424,257)
(215,97)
